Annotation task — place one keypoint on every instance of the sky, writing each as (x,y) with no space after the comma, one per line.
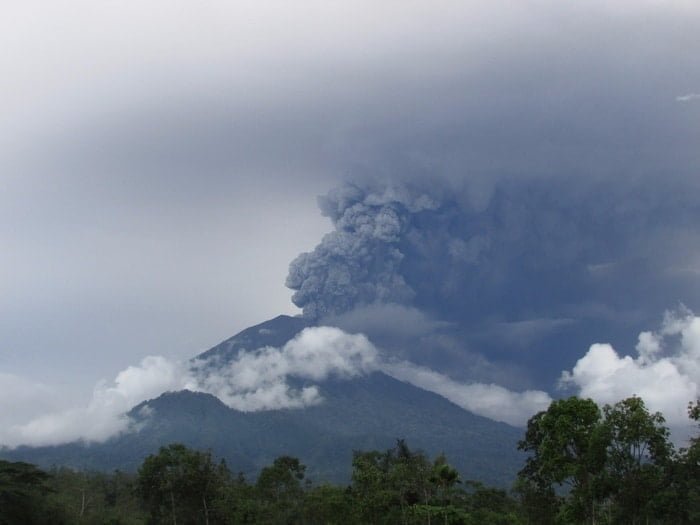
(160,165)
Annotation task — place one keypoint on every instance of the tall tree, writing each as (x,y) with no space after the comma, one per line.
(23,489)
(567,447)
(178,484)
(280,488)
(638,452)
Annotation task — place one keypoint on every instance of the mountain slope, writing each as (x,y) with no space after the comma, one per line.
(368,412)
(274,332)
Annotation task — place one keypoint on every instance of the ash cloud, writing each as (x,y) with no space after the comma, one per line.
(523,275)
(358,263)
(535,245)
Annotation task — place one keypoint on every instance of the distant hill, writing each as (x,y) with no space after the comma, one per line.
(364,413)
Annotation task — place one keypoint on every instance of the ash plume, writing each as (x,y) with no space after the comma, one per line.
(508,285)
(533,247)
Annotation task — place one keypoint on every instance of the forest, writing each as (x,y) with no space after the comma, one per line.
(584,465)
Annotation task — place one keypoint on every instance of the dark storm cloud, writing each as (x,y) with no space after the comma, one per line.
(582,90)
(160,161)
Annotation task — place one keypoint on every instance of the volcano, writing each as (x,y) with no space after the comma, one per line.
(364,413)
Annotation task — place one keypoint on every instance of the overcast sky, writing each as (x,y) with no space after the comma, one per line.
(160,161)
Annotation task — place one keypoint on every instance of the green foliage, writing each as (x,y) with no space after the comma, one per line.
(567,443)
(178,484)
(280,491)
(96,497)
(613,467)
(329,505)
(638,454)
(678,500)
(23,490)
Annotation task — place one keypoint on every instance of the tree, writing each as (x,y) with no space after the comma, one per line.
(23,490)
(95,497)
(444,478)
(638,451)
(678,501)
(279,487)
(567,447)
(374,496)
(691,461)
(329,504)
(392,486)
(178,484)
(237,503)
(410,474)
(539,504)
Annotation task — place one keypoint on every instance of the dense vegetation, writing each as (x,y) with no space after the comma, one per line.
(585,465)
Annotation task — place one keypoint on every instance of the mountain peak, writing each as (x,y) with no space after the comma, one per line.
(273,332)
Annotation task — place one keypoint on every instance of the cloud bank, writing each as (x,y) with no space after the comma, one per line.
(105,415)
(664,370)
(258,380)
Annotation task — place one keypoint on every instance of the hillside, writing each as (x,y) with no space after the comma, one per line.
(369,412)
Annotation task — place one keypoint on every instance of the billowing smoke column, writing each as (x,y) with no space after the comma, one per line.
(360,262)
(533,248)
(539,264)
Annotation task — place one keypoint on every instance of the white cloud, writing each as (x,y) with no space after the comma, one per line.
(665,372)
(256,380)
(104,416)
(489,400)
(688,97)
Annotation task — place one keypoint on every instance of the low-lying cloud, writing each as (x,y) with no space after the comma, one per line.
(258,380)
(105,415)
(489,400)
(665,372)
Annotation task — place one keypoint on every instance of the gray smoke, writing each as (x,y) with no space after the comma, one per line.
(358,263)
(523,275)
(535,245)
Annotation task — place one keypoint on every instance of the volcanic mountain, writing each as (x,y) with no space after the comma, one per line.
(367,412)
